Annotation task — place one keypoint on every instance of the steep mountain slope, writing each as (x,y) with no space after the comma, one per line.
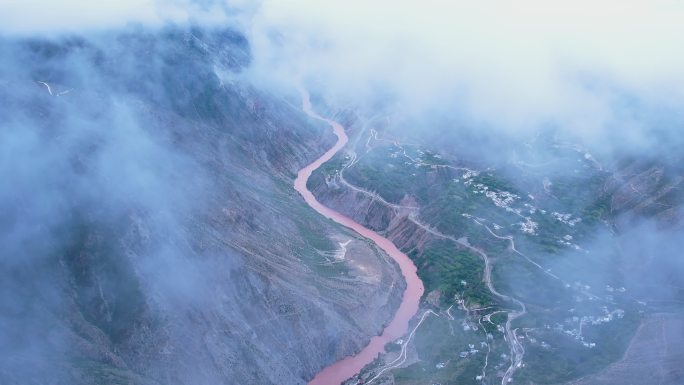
(149,230)
(648,187)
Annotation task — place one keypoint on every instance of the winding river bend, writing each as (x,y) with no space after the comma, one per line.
(398,326)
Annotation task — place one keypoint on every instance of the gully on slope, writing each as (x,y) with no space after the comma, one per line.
(342,370)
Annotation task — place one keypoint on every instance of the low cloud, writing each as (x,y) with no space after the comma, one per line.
(511,66)
(44,17)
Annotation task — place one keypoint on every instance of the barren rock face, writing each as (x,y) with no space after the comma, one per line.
(648,189)
(151,234)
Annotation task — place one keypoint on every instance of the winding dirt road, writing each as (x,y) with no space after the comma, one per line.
(349,366)
(517,349)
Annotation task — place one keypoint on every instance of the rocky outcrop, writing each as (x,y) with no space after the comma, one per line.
(367,208)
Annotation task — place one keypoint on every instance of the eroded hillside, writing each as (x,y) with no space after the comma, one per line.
(150,231)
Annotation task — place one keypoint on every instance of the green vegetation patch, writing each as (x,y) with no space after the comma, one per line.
(454,271)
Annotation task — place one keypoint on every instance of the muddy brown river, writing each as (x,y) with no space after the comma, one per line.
(347,367)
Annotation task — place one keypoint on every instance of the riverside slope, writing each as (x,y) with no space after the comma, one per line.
(398,326)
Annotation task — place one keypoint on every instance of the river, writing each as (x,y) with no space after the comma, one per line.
(347,367)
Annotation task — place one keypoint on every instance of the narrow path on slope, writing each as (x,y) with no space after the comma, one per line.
(398,326)
(517,349)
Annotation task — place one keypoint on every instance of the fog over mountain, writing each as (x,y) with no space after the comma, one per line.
(568,57)
(526,156)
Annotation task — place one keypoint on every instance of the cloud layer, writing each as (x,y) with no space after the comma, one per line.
(30,17)
(508,65)
(511,65)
